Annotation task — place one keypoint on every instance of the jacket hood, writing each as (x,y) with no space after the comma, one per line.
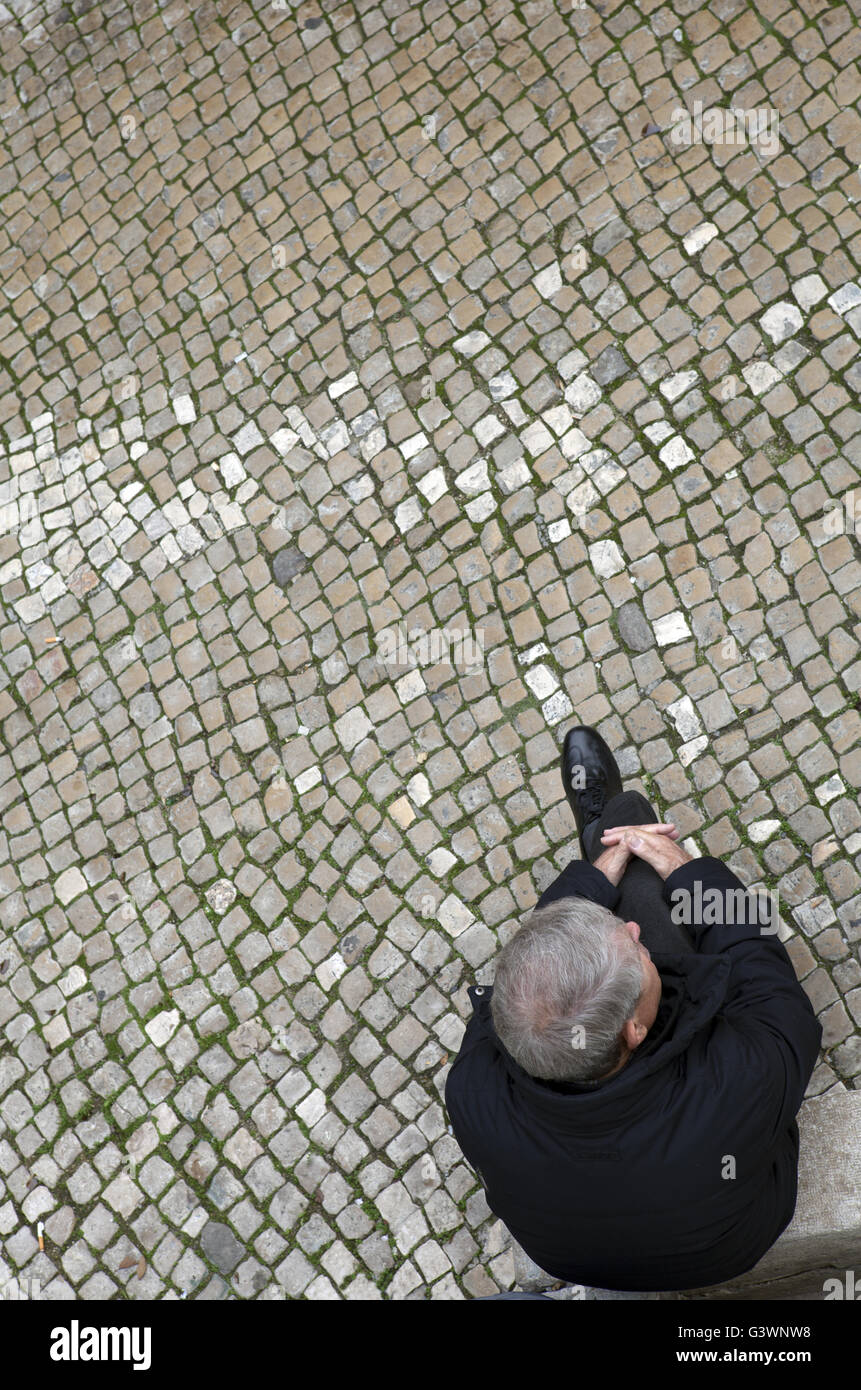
(695,986)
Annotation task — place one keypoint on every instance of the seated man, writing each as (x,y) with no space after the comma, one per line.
(633,1118)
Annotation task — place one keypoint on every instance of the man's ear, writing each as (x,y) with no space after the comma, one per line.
(633,1034)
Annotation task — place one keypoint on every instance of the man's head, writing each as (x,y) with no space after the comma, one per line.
(575,992)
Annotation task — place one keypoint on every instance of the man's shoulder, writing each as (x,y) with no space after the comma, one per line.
(478,1056)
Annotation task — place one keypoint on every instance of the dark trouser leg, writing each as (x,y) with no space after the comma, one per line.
(641,887)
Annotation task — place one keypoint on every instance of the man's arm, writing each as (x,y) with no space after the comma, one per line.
(764,996)
(581,880)
(764,999)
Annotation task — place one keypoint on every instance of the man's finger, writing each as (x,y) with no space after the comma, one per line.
(616,832)
(650,825)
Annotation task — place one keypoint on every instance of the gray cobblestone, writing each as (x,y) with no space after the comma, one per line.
(501,382)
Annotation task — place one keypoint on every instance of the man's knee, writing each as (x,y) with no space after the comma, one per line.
(628,808)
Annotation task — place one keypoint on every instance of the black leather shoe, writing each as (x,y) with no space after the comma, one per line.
(590,777)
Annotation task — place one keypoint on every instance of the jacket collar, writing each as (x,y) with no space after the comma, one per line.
(701,983)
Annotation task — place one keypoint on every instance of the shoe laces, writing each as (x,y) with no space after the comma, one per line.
(592,797)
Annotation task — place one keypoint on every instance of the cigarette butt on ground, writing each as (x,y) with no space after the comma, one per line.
(40,1232)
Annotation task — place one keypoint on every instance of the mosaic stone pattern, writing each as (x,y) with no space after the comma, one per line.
(384,388)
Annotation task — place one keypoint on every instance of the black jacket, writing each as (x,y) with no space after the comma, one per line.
(620,1184)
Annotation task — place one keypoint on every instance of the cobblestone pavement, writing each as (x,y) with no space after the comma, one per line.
(386,387)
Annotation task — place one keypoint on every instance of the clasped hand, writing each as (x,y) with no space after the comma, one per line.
(656,844)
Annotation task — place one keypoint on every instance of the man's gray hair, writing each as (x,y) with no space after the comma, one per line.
(565,986)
